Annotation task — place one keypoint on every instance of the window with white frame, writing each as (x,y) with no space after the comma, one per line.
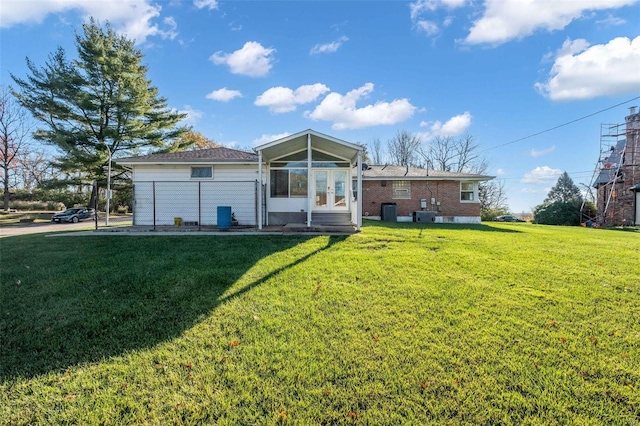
(468,192)
(401,190)
(201,172)
(288,183)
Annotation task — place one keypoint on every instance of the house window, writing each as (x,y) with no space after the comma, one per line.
(401,190)
(288,183)
(468,191)
(297,183)
(201,172)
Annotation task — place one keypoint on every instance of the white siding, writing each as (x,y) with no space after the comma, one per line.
(193,200)
(241,196)
(182,172)
(287,204)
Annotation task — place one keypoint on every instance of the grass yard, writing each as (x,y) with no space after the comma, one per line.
(401,324)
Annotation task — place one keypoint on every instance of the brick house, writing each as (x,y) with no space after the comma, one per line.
(617,182)
(453,197)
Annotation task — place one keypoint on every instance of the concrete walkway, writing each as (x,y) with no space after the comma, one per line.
(291,229)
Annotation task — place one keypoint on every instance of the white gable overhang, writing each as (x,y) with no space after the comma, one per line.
(319,141)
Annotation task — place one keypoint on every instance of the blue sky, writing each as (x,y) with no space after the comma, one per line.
(248,72)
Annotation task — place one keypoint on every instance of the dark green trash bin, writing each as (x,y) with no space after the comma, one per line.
(224,217)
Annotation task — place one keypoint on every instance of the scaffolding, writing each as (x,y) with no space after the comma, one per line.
(615,171)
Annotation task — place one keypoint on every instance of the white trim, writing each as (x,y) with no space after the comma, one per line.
(259,203)
(475,192)
(309,162)
(429,178)
(203,162)
(210,167)
(359,189)
(308,132)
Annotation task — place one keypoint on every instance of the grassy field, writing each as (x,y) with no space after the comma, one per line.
(402,324)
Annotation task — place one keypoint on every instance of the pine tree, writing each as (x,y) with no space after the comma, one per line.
(564,191)
(100,102)
(562,205)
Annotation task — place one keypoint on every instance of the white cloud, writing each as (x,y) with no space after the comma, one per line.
(328,47)
(421,7)
(342,110)
(210,4)
(252,59)
(224,95)
(269,138)
(506,20)
(539,153)
(541,174)
(134,18)
(500,172)
(171,31)
(428,27)
(455,126)
(583,72)
(193,115)
(611,21)
(282,99)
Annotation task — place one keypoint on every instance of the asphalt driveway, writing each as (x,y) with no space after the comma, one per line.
(35,228)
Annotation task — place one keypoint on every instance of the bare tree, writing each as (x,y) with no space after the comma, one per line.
(462,155)
(438,154)
(365,152)
(467,156)
(403,148)
(34,169)
(452,154)
(493,196)
(377,155)
(14,136)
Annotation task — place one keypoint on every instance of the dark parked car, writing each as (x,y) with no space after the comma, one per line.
(74,215)
(507,218)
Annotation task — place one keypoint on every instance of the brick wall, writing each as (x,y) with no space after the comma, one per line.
(621,207)
(445,192)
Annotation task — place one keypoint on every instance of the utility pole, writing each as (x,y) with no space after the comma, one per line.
(106,220)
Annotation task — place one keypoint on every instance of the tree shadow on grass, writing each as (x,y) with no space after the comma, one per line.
(68,301)
(448,226)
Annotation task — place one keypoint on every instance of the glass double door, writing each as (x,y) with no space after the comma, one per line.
(330,190)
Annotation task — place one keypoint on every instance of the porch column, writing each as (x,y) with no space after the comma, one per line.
(309,200)
(259,204)
(359,189)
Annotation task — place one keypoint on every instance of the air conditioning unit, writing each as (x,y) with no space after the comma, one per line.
(424,217)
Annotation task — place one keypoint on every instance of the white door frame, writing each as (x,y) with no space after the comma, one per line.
(330,202)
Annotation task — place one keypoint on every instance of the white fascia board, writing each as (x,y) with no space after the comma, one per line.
(431,178)
(182,163)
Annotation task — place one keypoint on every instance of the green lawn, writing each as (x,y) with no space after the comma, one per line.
(486,324)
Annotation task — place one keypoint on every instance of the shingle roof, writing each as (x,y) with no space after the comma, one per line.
(401,172)
(220,154)
(610,164)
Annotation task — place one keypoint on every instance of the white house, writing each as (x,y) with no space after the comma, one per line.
(303,178)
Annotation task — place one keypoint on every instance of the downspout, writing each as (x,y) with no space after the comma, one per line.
(259,203)
(309,174)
